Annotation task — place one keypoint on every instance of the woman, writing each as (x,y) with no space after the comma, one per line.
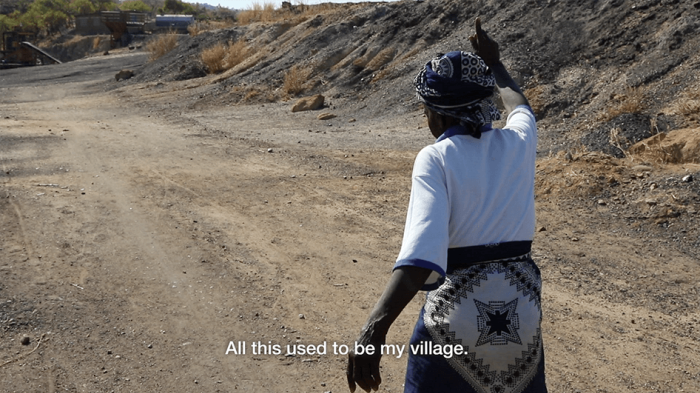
(467,240)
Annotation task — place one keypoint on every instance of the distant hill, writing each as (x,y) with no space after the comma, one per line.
(207,6)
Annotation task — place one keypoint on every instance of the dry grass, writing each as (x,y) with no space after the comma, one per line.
(266,13)
(161,45)
(200,27)
(195,29)
(688,105)
(632,101)
(246,17)
(238,52)
(618,140)
(294,80)
(214,58)
(315,9)
(222,57)
(96,42)
(258,13)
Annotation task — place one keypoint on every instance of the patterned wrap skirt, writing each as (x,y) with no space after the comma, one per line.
(489,306)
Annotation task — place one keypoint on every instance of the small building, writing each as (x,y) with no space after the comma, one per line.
(178,23)
(123,25)
(90,25)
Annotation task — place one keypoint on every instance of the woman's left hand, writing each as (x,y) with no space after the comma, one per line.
(363,369)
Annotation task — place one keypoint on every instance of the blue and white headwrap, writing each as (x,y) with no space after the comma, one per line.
(459,84)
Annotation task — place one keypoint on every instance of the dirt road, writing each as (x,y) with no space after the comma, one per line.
(140,238)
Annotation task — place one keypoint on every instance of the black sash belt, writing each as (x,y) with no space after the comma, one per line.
(464,257)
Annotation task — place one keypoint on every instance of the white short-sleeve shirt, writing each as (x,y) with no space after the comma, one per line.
(469,192)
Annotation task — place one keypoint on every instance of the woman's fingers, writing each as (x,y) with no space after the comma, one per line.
(376,376)
(483,45)
(365,377)
(363,373)
(477,27)
(475,43)
(349,373)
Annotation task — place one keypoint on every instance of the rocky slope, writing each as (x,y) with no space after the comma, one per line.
(587,67)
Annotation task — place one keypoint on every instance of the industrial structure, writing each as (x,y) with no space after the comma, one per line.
(123,25)
(17,51)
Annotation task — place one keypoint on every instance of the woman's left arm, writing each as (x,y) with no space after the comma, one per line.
(363,369)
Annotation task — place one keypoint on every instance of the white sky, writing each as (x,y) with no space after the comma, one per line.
(243,4)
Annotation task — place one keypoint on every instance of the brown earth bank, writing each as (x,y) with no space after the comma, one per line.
(147,224)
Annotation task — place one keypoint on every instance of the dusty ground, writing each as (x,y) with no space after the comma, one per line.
(139,237)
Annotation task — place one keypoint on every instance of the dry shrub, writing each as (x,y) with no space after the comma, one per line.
(257,13)
(618,140)
(195,29)
(267,13)
(161,45)
(315,9)
(237,52)
(248,16)
(214,58)
(96,42)
(294,80)
(633,101)
(222,57)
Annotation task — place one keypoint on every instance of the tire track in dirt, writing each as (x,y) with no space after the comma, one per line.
(282,249)
(120,188)
(143,238)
